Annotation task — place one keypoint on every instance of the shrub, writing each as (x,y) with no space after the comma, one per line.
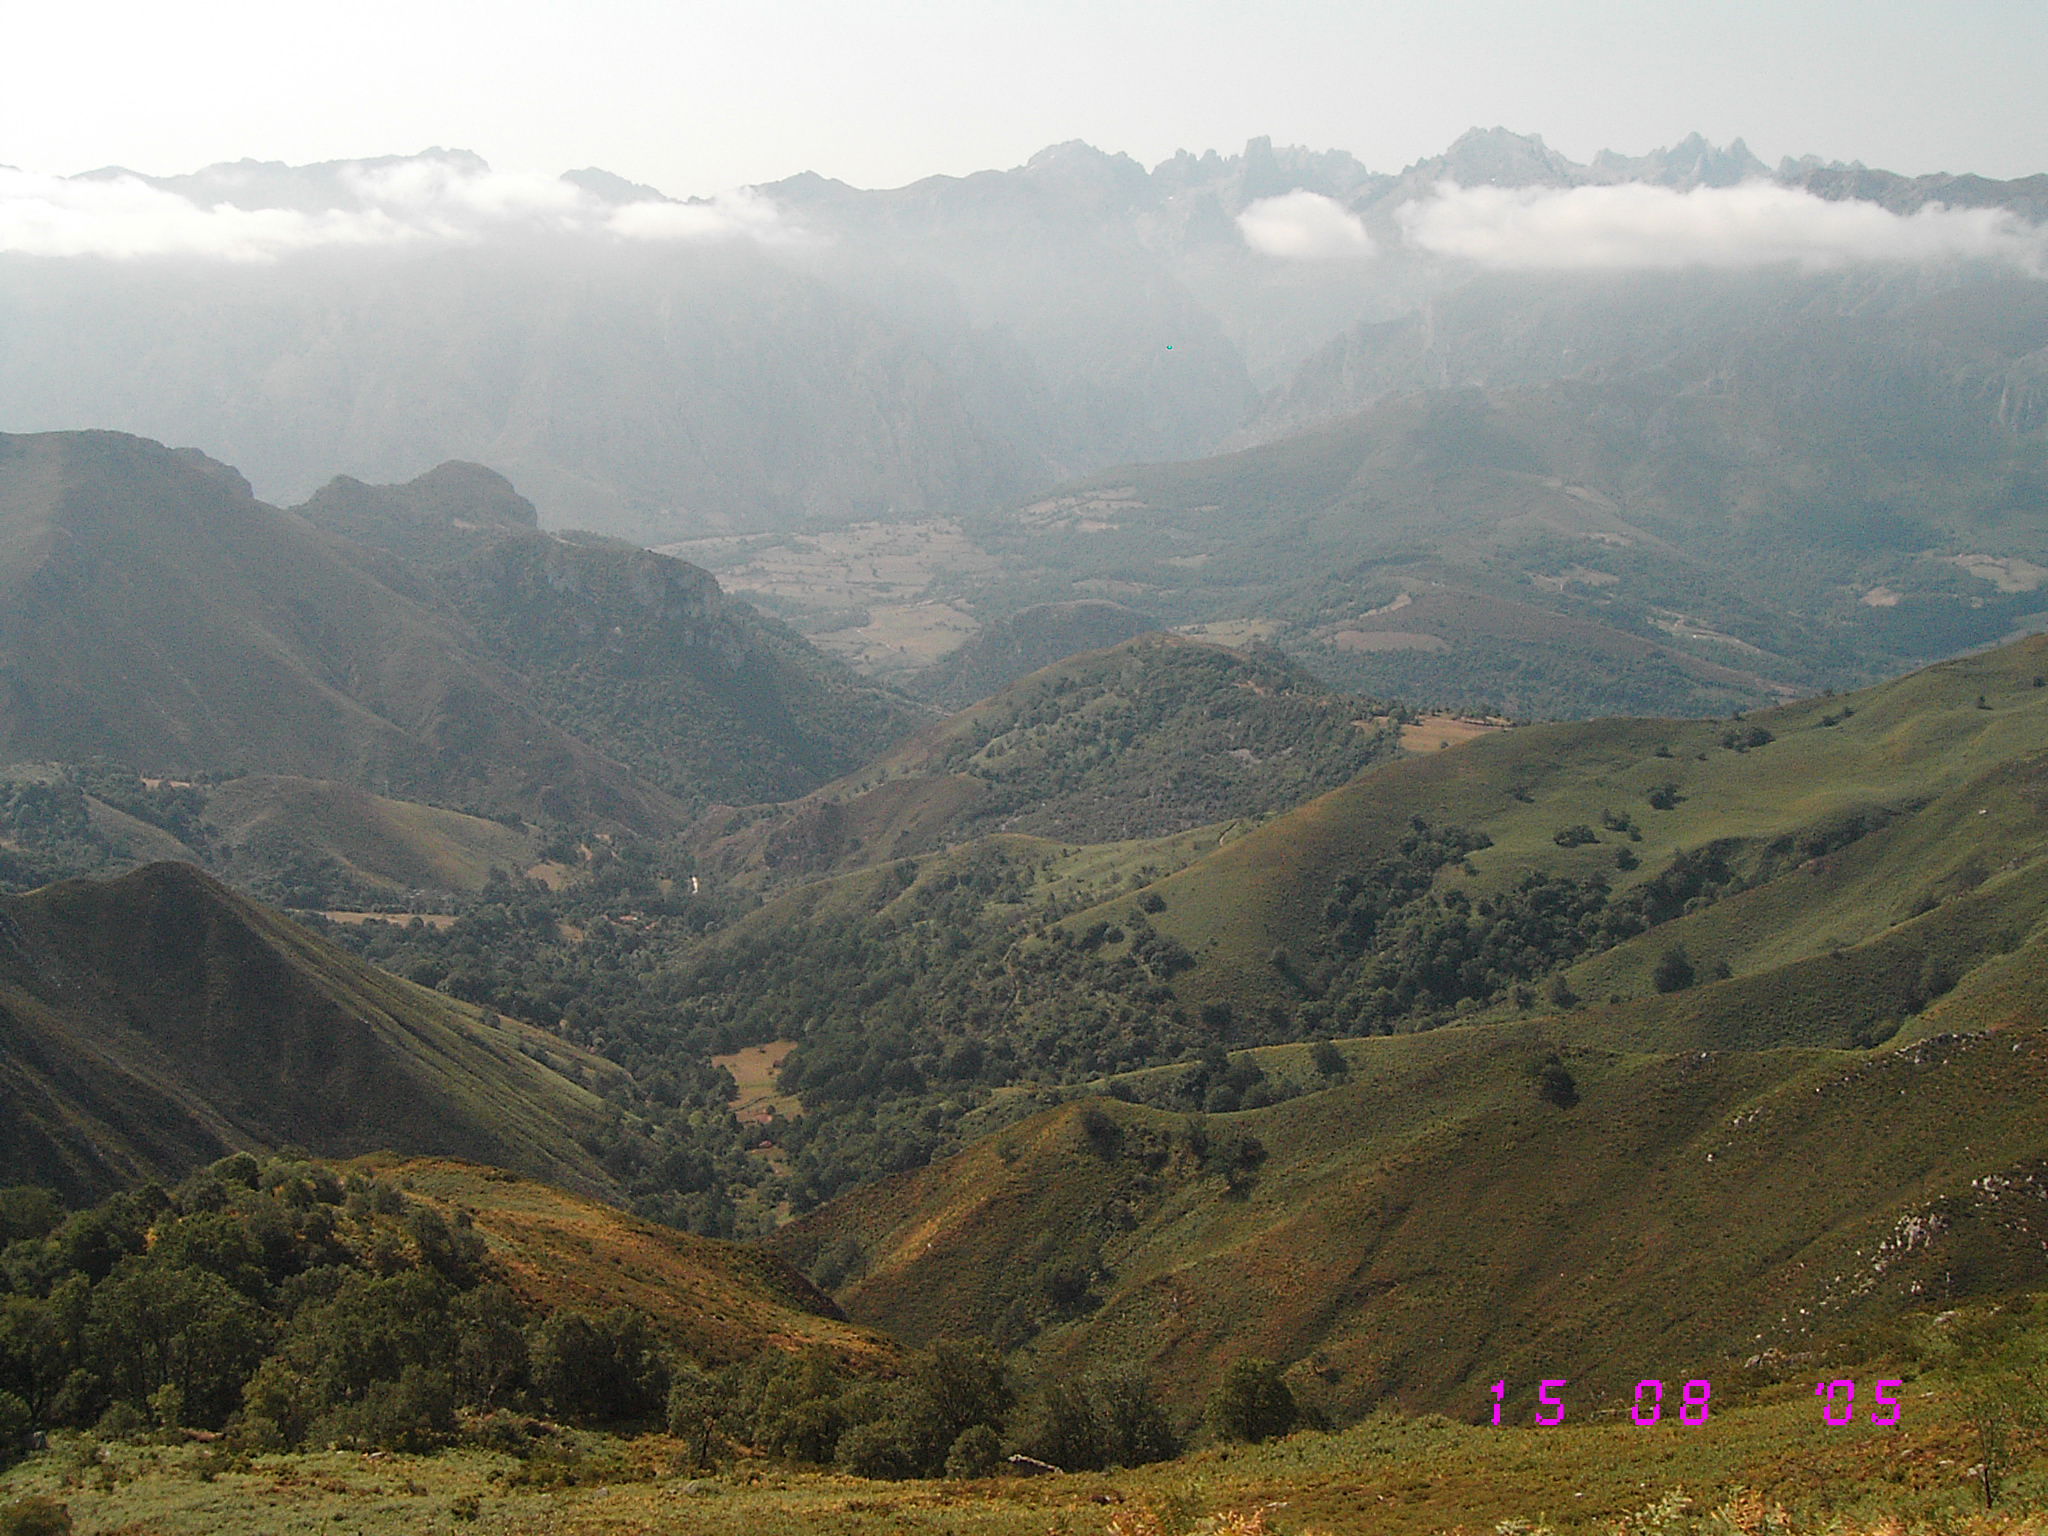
(1554,1082)
(14,1427)
(697,1410)
(1251,1403)
(35,1516)
(1673,972)
(1062,1427)
(1135,1430)
(977,1453)
(881,1448)
(599,1368)
(1574,836)
(414,1413)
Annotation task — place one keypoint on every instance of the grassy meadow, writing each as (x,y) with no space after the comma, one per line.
(1769,1469)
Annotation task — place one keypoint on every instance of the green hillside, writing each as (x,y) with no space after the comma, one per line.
(1892,835)
(1833,873)
(1020,643)
(1435,1222)
(1743,1062)
(159,1021)
(1145,739)
(266,829)
(301,843)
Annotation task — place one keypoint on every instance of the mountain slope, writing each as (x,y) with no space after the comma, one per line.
(637,653)
(431,519)
(1831,874)
(1435,1224)
(1800,496)
(1899,822)
(715,1301)
(1021,643)
(1140,740)
(153,612)
(158,1021)
(268,828)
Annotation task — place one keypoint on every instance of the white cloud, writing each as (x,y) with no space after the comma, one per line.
(410,202)
(126,217)
(1303,226)
(440,195)
(1756,224)
(745,212)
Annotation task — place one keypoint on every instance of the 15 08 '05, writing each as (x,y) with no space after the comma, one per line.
(1695,1401)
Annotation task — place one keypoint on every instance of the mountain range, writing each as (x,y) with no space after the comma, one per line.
(824,353)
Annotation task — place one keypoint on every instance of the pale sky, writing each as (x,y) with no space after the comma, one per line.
(695,98)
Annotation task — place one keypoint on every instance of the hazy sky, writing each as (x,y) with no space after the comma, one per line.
(694,98)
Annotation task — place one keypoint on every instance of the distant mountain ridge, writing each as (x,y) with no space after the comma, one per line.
(888,353)
(638,653)
(1577,493)
(438,516)
(157,614)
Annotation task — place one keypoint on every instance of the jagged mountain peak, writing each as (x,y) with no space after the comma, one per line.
(1499,157)
(1079,170)
(320,186)
(1694,161)
(609,187)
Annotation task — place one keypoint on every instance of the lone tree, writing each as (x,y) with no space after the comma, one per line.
(1554,1084)
(1251,1403)
(1674,971)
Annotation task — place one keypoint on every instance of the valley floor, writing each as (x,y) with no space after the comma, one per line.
(1768,1470)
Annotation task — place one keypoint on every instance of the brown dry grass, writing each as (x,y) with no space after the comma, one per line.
(436,920)
(1432,733)
(754,1069)
(717,1301)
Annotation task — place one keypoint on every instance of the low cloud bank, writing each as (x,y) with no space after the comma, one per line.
(1303,226)
(410,202)
(1635,226)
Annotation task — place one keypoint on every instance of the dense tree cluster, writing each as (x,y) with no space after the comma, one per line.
(590,963)
(945,987)
(291,1305)
(1400,948)
(957,1410)
(1157,737)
